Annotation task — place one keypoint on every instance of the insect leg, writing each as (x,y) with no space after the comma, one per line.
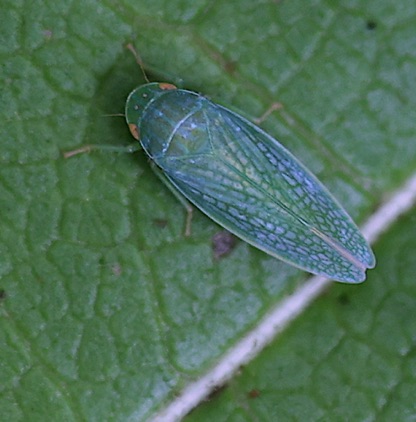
(88,148)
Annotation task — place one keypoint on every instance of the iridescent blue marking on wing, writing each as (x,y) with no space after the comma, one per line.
(250,184)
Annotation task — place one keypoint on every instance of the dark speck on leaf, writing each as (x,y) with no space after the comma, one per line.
(344,299)
(230,67)
(223,243)
(253,394)
(160,222)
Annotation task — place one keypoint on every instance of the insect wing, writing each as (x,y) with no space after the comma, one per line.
(247,182)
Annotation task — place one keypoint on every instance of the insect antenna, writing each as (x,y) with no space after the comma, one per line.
(139,60)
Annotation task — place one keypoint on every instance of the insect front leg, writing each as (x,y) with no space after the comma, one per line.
(115,148)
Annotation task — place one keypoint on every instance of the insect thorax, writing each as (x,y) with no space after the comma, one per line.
(176,125)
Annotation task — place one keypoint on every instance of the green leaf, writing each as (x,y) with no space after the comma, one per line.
(106,310)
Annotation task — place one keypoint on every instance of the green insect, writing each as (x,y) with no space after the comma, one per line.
(246,181)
